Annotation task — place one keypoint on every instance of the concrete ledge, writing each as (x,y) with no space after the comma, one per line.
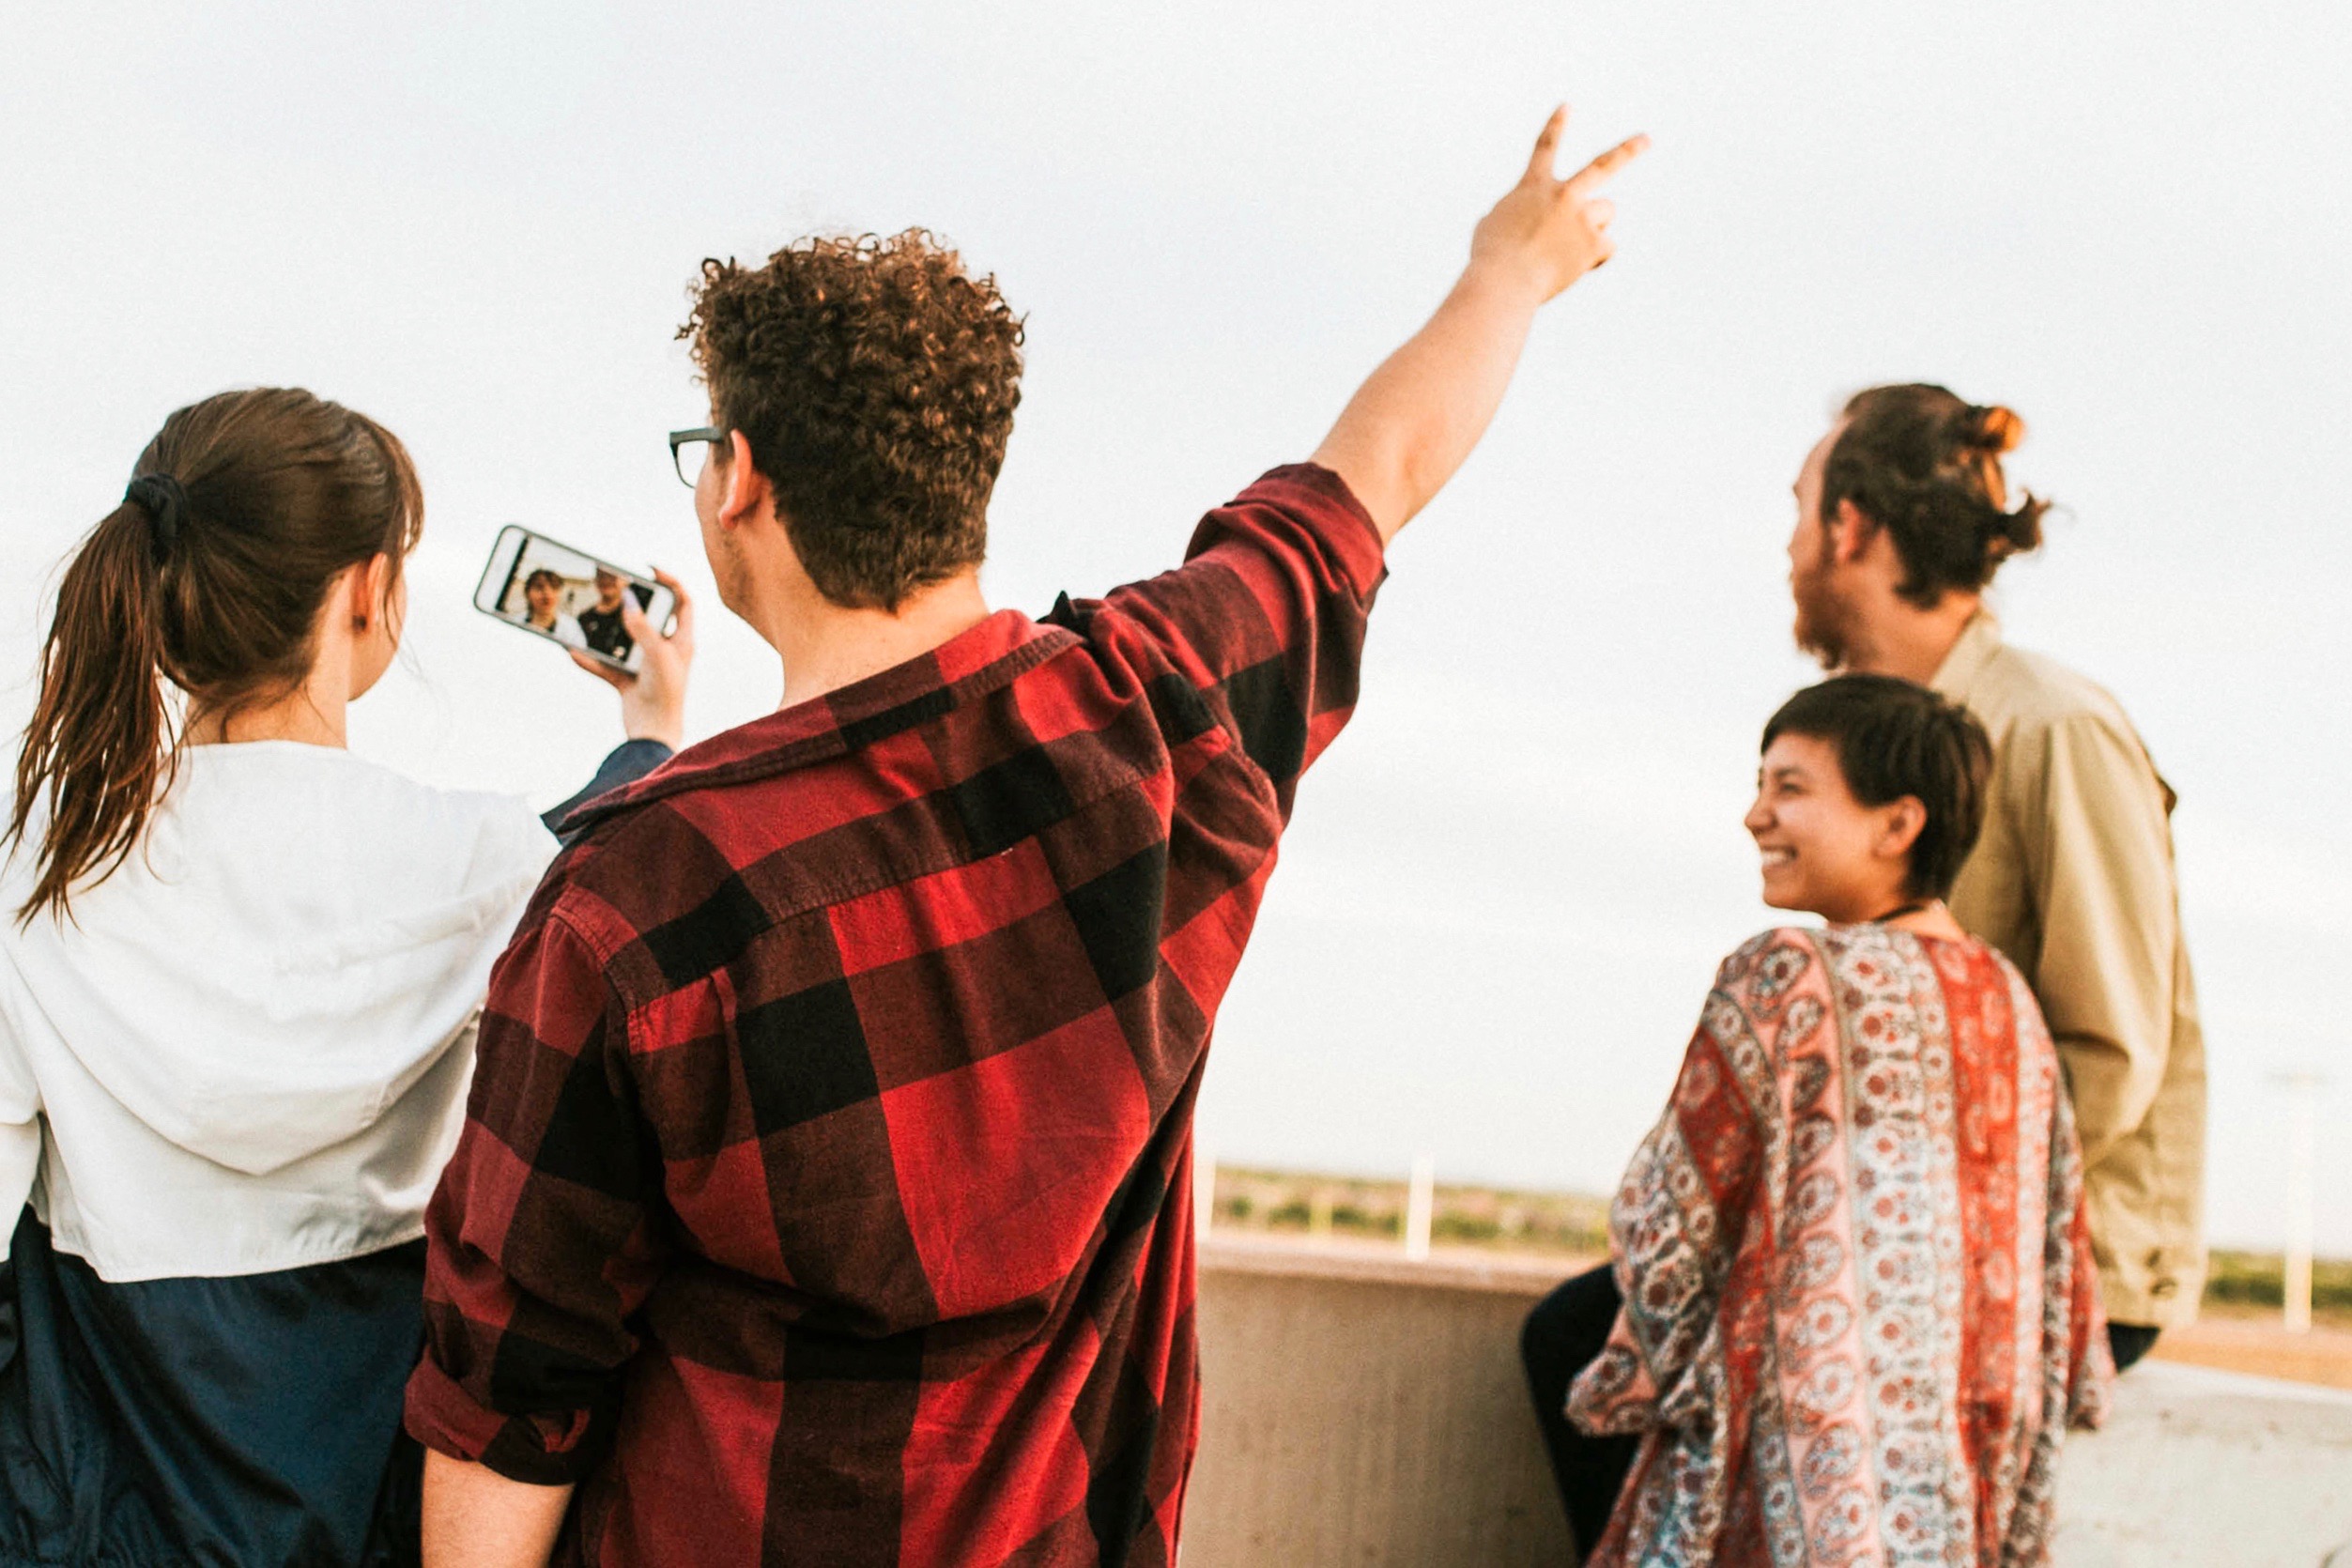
(1370,1263)
(2199,1469)
(1362,1410)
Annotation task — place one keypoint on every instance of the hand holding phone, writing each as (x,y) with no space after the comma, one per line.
(635,634)
(654,698)
(569,598)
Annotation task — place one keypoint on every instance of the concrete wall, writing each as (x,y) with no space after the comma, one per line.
(1361,1411)
(1366,1411)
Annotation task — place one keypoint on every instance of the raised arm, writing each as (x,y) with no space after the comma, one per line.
(1410,425)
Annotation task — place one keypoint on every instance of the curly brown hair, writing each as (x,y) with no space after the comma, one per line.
(876,381)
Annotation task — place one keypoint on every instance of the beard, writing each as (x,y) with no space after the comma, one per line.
(1823,626)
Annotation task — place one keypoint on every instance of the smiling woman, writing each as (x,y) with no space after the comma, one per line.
(1868,799)
(1875,1102)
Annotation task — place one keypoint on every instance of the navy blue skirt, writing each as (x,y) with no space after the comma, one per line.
(252,1420)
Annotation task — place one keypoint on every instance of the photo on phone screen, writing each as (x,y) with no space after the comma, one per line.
(568,596)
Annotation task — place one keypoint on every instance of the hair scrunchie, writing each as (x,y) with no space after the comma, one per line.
(165,503)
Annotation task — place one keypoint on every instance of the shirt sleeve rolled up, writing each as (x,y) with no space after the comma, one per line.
(539,1247)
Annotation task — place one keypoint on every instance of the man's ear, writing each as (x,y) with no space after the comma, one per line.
(1850,532)
(745,490)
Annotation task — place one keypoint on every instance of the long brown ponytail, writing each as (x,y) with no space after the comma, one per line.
(209,578)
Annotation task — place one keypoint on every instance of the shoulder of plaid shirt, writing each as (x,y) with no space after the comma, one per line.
(824,1178)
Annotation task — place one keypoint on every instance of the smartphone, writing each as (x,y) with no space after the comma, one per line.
(568,596)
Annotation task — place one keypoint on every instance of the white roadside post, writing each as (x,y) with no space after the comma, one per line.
(2303,1122)
(1420,1206)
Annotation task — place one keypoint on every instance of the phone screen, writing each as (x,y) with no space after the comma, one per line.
(568,596)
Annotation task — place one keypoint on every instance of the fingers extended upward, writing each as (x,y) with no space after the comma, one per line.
(1543,163)
(1595,174)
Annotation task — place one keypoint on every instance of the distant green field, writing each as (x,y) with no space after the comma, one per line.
(1575,1224)
(1365,1208)
(2259,1279)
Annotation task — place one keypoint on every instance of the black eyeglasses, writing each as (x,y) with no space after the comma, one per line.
(690,469)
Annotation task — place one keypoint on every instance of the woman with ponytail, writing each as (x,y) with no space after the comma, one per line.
(237,985)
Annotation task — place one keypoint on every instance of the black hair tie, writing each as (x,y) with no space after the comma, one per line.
(165,503)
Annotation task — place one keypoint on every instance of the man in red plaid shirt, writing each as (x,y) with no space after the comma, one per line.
(824,1195)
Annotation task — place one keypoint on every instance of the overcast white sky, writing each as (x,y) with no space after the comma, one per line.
(1508,885)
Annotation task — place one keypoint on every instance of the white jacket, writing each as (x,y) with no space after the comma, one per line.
(248,1048)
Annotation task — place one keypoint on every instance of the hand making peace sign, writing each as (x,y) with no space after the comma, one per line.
(1552,231)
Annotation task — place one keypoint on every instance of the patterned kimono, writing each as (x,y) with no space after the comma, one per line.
(1860,1307)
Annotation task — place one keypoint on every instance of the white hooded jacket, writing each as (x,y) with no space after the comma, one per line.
(248,1048)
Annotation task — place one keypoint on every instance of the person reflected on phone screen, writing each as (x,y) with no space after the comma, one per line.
(542,608)
(601,626)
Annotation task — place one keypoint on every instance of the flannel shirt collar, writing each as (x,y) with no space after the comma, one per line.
(970,664)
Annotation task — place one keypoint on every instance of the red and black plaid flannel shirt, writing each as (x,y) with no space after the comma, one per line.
(824,1194)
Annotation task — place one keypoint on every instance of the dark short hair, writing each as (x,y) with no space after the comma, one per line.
(875,380)
(538,572)
(1894,739)
(1925,465)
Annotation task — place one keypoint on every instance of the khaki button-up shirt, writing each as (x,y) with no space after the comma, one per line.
(2073,879)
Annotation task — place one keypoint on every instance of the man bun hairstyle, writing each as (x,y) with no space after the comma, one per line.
(1999,428)
(1923,464)
(1895,739)
(875,380)
(207,578)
